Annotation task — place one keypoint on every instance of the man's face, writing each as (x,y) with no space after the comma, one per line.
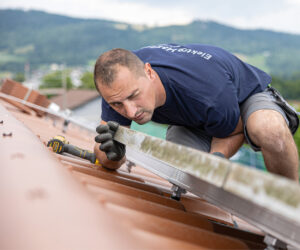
(131,96)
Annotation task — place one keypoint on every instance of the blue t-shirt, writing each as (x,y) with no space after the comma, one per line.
(204,87)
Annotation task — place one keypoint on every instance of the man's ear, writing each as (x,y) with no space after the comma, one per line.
(149,71)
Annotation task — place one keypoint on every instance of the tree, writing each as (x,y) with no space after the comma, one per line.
(297,138)
(289,87)
(297,141)
(55,80)
(87,81)
(19,77)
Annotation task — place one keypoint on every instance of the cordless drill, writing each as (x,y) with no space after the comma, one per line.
(60,145)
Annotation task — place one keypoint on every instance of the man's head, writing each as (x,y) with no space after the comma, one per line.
(127,84)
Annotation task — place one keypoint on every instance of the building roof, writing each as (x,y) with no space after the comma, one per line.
(68,202)
(17,90)
(75,98)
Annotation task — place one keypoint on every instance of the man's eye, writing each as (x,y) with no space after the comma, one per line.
(117,104)
(132,96)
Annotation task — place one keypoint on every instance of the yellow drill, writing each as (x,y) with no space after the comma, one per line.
(59,144)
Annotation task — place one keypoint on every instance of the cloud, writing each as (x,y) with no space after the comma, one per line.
(284,19)
(280,15)
(126,11)
(141,13)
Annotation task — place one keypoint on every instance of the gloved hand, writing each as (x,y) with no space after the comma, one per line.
(114,150)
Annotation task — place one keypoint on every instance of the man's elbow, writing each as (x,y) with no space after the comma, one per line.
(239,129)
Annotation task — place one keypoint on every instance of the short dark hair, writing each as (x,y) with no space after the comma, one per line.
(106,65)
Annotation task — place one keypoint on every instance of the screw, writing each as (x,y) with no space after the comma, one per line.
(17,156)
(36,194)
(7,134)
(129,165)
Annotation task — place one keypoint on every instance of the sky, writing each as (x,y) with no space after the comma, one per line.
(277,15)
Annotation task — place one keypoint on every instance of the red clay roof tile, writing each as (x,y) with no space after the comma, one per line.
(75,98)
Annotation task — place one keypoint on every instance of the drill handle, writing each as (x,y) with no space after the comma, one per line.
(85,154)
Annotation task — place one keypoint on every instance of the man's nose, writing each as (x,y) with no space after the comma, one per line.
(130,109)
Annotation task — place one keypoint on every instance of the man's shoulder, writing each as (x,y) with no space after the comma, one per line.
(174,55)
(178,48)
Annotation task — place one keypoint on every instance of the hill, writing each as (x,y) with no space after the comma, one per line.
(41,38)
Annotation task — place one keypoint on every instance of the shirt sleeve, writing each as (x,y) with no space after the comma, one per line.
(109,114)
(223,115)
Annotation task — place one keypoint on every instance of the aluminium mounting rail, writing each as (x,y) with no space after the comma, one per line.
(48,111)
(270,202)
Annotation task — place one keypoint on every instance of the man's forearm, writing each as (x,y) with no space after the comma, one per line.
(227,146)
(101,156)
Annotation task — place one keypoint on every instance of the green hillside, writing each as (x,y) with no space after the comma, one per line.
(41,38)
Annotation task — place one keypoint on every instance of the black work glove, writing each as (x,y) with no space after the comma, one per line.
(114,150)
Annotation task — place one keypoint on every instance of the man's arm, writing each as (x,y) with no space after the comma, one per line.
(101,156)
(228,146)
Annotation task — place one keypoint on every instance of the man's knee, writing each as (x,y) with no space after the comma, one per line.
(268,129)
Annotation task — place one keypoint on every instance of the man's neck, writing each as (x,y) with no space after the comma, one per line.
(160,91)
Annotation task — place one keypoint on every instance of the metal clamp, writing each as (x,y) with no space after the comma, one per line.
(65,125)
(177,191)
(273,243)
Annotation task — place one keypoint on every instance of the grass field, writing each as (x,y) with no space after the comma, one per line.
(9,58)
(259,61)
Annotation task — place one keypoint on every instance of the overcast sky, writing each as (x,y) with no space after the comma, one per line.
(278,15)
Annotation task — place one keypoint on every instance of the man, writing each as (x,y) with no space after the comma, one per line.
(211,100)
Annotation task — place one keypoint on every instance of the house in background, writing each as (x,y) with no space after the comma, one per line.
(84,104)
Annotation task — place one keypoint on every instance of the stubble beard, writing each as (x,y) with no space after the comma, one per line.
(147,117)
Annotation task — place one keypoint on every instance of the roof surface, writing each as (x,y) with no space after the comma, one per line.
(61,201)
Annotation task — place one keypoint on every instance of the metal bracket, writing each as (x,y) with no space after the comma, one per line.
(65,125)
(130,165)
(273,243)
(67,113)
(177,191)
